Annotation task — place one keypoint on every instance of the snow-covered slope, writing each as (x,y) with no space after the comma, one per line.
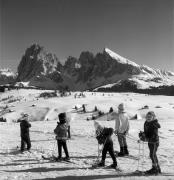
(146,77)
(83,147)
(119,58)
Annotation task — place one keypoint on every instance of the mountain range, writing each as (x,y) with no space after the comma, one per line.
(104,70)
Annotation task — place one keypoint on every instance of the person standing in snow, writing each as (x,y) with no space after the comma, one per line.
(103,136)
(61,136)
(25,136)
(121,129)
(150,135)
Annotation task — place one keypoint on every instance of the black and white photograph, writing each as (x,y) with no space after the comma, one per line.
(86,89)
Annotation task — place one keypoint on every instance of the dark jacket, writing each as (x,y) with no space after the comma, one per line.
(61,131)
(105,136)
(25,125)
(151,130)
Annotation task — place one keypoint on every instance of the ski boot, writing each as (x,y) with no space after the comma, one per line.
(114,165)
(152,171)
(126,152)
(58,159)
(66,159)
(101,164)
(121,153)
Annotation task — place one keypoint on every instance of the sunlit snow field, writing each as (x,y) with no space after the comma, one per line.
(83,147)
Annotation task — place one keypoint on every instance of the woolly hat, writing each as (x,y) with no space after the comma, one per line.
(62,117)
(98,127)
(121,107)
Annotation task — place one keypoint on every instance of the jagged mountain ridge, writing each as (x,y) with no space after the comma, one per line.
(39,67)
(88,71)
(43,69)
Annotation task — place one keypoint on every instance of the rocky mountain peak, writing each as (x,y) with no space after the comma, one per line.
(37,61)
(119,58)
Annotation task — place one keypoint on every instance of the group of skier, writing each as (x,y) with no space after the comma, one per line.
(150,135)
(104,136)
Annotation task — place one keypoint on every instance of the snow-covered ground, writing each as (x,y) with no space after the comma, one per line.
(83,147)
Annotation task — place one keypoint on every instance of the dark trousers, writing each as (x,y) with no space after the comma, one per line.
(153,149)
(25,140)
(122,140)
(108,147)
(62,143)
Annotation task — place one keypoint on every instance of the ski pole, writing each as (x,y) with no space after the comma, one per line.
(143,157)
(54,145)
(138,155)
(98,152)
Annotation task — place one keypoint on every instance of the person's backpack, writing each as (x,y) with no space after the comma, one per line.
(101,137)
(61,131)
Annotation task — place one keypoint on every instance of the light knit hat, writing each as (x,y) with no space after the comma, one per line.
(97,126)
(121,107)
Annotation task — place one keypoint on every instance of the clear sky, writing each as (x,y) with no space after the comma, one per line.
(140,30)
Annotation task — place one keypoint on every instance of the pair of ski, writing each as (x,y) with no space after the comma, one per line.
(144,173)
(96,166)
(55,159)
(117,169)
(126,156)
(135,173)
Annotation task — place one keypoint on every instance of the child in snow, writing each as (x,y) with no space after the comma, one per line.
(121,129)
(103,135)
(25,136)
(61,136)
(150,135)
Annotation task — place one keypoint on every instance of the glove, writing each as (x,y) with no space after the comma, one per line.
(115,132)
(142,136)
(125,133)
